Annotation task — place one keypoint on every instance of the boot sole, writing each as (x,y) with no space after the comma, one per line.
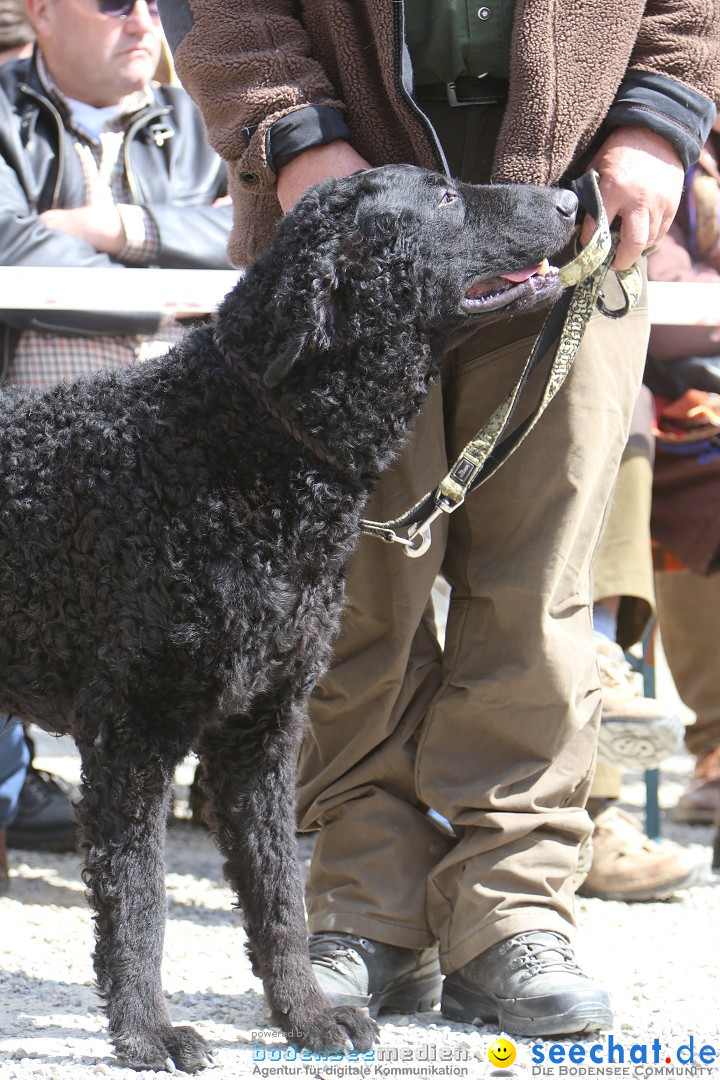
(694,816)
(639,744)
(32,840)
(471,1007)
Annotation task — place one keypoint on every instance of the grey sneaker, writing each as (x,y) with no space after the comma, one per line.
(370,974)
(529,984)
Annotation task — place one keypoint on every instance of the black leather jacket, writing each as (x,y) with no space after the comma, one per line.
(172,172)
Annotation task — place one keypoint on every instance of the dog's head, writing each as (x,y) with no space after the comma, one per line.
(402,247)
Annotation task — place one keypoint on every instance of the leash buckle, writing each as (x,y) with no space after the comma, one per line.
(452,98)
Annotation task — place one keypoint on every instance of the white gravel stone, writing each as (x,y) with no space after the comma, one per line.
(660,962)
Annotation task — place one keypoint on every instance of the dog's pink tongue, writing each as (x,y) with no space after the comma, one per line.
(522,275)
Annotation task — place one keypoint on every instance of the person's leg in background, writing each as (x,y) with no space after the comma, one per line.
(621,863)
(689,618)
(14,761)
(635,732)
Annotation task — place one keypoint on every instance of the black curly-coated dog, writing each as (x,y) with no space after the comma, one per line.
(173,544)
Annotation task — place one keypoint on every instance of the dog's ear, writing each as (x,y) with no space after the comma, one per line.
(311,327)
(315,312)
(315,243)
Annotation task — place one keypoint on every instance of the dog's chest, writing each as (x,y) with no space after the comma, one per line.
(275,622)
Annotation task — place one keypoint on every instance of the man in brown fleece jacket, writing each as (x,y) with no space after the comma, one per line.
(497,731)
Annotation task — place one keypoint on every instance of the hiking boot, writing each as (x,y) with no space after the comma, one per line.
(45,819)
(636,732)
(627,865)
(699,803)
(529,984)
(357,971)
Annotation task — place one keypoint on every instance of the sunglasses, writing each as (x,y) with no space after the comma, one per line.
(120,9)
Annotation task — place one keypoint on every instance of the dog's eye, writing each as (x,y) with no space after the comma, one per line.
(448,197)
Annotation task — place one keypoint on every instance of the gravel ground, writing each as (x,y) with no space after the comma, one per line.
(658,960)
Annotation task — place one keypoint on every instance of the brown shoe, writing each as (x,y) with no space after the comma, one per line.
(699,803)
(4,869)
(628,866)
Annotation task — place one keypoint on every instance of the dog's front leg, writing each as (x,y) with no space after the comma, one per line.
(249,777)
(123,814)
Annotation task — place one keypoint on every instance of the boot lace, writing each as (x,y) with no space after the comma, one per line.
(330,950)
(539,954)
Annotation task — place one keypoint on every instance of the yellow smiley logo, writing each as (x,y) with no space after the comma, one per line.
(501,1053)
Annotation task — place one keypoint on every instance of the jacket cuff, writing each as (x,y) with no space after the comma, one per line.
(668,107)
(314,125)
(141,236)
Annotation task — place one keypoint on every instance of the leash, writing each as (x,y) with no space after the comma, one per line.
(483,455)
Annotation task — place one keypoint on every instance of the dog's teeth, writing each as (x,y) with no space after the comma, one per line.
(170,1065)
(543,268)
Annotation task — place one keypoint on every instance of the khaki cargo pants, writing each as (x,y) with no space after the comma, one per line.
(496,732)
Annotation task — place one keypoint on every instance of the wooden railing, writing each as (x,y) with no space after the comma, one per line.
(195,292)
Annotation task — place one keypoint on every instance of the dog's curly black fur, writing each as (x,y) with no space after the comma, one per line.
(172,559)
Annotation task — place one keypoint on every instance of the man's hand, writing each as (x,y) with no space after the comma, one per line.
(99,225)
(641,181)
(333,159)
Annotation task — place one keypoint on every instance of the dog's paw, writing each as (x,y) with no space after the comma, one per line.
(341,1028)
(188,1050)
(168,1050)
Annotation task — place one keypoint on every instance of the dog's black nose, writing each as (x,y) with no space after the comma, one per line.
(566,203)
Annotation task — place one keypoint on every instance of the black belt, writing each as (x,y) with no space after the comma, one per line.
(465,91)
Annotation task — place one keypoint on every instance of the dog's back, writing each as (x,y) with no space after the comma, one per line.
(136,554)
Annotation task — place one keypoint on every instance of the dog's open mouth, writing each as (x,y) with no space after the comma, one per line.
(506,288)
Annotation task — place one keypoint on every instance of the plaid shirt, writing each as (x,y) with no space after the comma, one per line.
(42,359)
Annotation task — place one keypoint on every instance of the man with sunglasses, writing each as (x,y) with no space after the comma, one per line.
(100,168)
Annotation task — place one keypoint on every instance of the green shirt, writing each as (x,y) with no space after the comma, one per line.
(450,38)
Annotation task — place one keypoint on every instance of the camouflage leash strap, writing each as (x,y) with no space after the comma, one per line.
(583,277)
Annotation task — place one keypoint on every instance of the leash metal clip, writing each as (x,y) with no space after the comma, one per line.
(422,529)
